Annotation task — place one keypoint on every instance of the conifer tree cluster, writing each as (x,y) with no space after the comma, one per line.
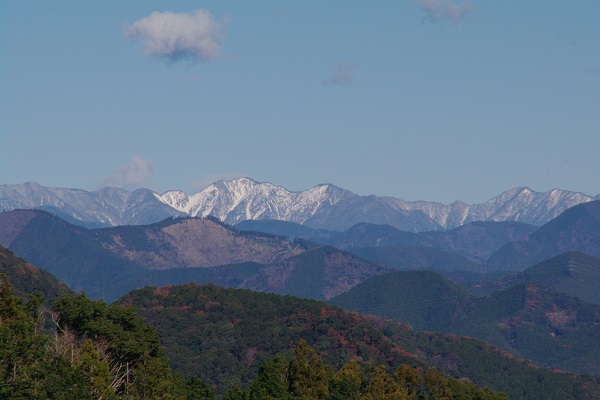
(306,377)
(96,351)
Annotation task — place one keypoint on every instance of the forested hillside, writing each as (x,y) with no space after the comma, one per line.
(223,335)
(29,280)
(528,320)
(100,351)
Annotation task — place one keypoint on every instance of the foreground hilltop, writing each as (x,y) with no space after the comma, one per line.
(222,335)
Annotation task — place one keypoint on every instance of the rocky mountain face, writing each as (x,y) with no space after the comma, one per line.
(323,207)
(191,242)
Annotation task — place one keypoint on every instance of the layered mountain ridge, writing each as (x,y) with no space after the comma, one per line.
(105,207)
(244,199)
(108,262)
(324,206)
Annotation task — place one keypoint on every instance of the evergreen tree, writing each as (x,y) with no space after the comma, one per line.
(307,374)
(27,369)
(347,382)
(410,379)
(272,380)
(383,387)
(192,389)
(235,393)
(437,385)
(136,363)
(96,369)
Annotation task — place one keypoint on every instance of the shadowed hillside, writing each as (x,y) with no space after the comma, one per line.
(551,328)
(27,280)
(577,229)
(574,273)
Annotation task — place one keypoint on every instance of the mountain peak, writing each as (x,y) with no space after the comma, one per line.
(241,180)
(237,182)
(31,184)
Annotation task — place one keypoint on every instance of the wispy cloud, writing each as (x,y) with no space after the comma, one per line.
(342,74)
(201,183)
(440,10)
(132,175)
(185,36)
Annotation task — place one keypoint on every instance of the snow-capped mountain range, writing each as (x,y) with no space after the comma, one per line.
(324,206)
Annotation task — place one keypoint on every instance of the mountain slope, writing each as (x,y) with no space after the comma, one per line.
(65,251)
(26,279)
(285,228)
(319,273)
(577,229)
(460,249)
(478,240)
(411,258)
(474,240)
(573,273)
(424,299)
(192,242)
(551,328)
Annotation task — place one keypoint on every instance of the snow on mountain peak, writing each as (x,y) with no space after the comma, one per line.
(239,199)
(323,206)
(176,199)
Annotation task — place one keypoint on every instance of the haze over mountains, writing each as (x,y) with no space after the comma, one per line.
(547,312)
(324,206)
(108,262)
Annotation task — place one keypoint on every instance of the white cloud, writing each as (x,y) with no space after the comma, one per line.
(190,36)
(132,175)
(343,74)
(438,10)
(201,183)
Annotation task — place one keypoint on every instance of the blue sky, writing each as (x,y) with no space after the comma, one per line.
(433,100)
